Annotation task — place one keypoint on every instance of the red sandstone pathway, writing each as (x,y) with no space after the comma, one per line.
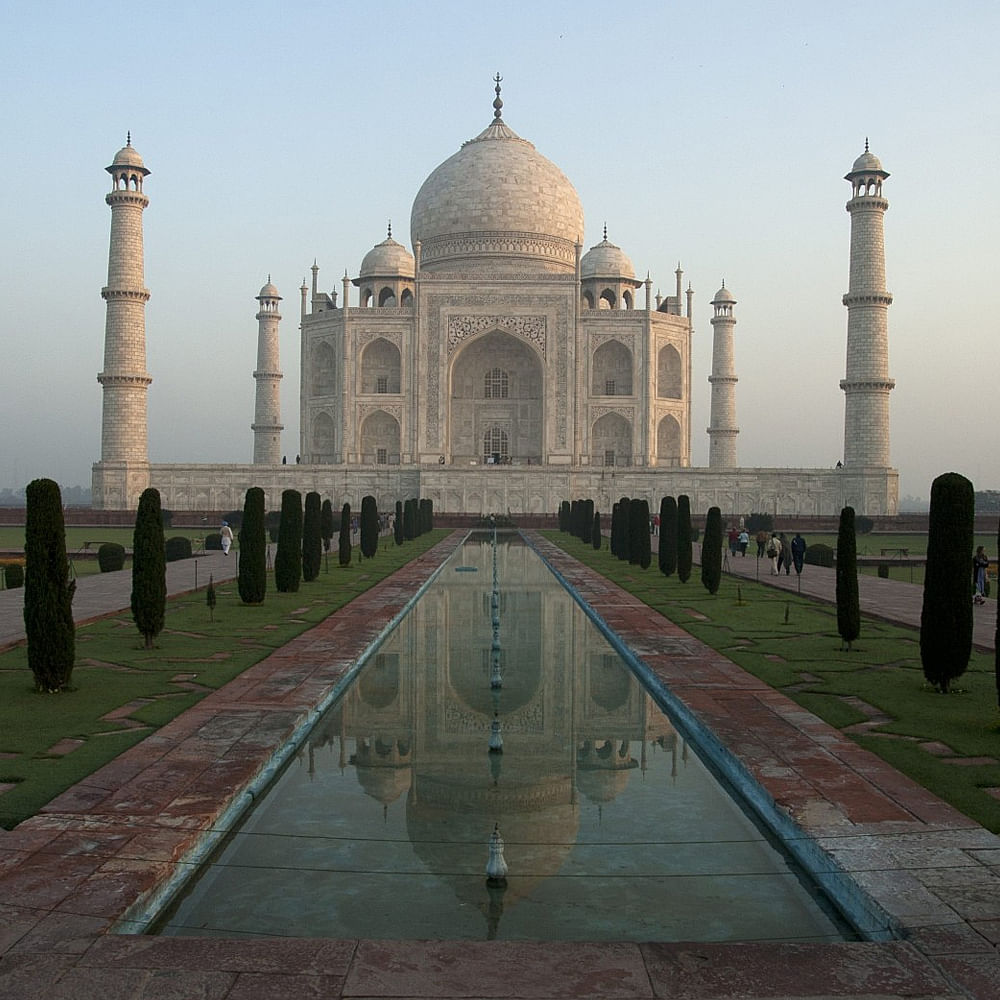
(80,866)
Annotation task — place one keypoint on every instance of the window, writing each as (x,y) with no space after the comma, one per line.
(381,384)
(609,457)
(381,456)
(496,384)
(609,387)
(495,447)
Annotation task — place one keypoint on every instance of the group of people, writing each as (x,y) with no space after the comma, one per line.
(782,552)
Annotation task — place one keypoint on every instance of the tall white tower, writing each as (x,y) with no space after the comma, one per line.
(723,430)
(123,472)
(267,426)
(867,385)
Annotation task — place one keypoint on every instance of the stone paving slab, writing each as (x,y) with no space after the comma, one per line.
(89,859)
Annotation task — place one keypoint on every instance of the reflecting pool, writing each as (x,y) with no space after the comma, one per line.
(499,710)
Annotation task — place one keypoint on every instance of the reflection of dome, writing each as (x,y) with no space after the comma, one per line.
(387,259)
(606,261)
(609,686)
(497,198)
(384,784)
(378,684)
(602,786)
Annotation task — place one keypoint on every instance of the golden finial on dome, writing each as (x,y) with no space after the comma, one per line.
(497,103)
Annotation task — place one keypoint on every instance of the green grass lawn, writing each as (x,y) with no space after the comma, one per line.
(792,644)
(192,656)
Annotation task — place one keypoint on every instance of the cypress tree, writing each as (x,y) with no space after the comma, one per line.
(397,523)
(429,511)
(252,582)
(848,606)
(564,516)
(638,522)
(711,551)
(369,526)
(410,520)
(613,536)
(326,526)
(946,616)
(288,559)
(48,591)
(312,538)
(667,554)
(624,512)
(596,538)
(344,538)
(587,522)
(149,568)
(684,556)
(425,516)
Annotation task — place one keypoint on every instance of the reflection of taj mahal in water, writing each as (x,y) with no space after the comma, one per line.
(381,827)
(498,366)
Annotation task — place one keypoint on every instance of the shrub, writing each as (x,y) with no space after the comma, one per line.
(111,557)
(288,558)
(48,592)
(13,576)
(344,538)
(684,553)
(410,520)
(883,571)
(397,524)
(711,551)
(564,516)
(819,554)
(177,548)
(252,579)
(213,541)
(946,616)
(639,544)
(596,534)
(427,515)
(369,525)
(312,538)
(668,536)
(327,524)
(149,568)
(863,525)
(848,606)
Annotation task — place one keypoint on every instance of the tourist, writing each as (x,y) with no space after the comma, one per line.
(798,551)
(774,552)
(743,540)
(980,562)
(784,554)
(761,539)
(227,537)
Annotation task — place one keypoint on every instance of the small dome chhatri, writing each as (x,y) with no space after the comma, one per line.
(867,163)
(387,259)
(723,295)
(268,291)
(605,260)
(127,156)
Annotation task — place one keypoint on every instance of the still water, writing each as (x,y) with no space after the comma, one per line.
(612,828)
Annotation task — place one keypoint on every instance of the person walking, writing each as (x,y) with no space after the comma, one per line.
(980,563)
(784,554)
(798,552)
(227,537)
(774,552)
(744,541)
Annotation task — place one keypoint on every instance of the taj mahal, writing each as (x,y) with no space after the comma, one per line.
(496,365)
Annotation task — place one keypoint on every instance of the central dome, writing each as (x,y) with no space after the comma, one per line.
(498,203)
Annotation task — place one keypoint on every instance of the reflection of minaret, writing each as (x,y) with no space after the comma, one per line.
(267,424)
(867,385)
(722,429)
(123,472)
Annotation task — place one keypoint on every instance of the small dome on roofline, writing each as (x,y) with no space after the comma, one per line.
(606,261)
(723,295)
(867,163)
(387,259)
(268,291)
(127,156)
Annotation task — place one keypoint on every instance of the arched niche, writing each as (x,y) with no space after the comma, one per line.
(518,413)
(323,438)
(380,439)
(611,441)
(611,370)
(669,373)
(324,367)
(380,367)
(668,442)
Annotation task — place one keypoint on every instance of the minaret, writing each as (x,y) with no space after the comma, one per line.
(867,385)
(267,426)
(723,430)
(123,472)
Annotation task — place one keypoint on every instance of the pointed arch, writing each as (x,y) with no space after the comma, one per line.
(380,367)
(611,438)
(324,370)
(669,373)
(668,442)
(323,438)
(611,370)
(380,439)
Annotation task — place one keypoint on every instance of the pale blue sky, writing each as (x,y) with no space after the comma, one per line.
(714,134)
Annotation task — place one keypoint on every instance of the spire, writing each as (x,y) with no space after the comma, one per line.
(866,144)
(605,232)
(497,103)
(128,138)
(390,229)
